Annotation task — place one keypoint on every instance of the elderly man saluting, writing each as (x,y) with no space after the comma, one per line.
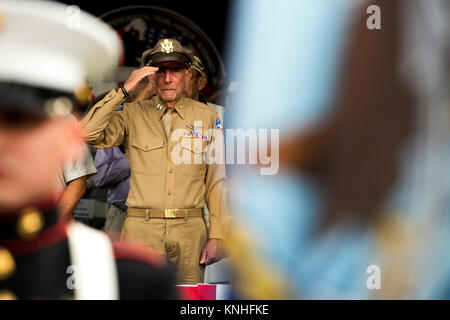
(166,195)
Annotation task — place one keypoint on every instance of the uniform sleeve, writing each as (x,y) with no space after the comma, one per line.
(106,123)
(216,187)
(82,167)
(112,167)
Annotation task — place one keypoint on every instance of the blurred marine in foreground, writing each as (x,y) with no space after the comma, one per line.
(41,256)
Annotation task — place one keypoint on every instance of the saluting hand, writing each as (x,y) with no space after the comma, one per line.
(136,77)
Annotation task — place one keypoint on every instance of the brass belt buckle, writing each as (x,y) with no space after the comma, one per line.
(170,213)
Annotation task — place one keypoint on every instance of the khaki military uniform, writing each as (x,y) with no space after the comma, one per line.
(158,182)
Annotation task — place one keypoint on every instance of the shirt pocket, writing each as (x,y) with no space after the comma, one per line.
(193,164)
(146,154)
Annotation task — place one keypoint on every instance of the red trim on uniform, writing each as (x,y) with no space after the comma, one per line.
(42,240)
(127,251)
(49,203)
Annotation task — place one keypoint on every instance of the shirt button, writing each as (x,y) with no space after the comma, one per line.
(7,264)
(169,193)
(7,295)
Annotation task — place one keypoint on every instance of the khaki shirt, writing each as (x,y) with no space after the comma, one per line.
(157,182)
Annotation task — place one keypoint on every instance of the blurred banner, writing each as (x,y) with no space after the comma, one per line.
(359,208)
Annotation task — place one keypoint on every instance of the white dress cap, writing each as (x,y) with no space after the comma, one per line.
(54,46)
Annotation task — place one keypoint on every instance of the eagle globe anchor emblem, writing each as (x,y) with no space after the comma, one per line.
(167,46)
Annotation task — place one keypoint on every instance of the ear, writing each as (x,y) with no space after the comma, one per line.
(188,74)
(201,83)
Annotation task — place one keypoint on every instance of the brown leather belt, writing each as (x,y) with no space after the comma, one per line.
(164,214)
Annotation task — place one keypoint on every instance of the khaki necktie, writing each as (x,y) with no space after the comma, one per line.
(167,121)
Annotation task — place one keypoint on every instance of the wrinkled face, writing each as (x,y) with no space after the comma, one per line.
(33,151)
(170,82)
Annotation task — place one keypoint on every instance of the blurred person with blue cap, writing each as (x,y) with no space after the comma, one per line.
(358,209)
(41,256)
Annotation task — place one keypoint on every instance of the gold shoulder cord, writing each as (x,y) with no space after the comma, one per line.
(397,244)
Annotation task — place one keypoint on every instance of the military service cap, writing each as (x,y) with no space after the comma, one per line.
(197,64)
(167,51)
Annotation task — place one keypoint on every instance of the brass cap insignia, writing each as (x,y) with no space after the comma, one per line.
(167,46)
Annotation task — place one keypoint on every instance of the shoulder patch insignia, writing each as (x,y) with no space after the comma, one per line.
(120,108)
(219,124)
